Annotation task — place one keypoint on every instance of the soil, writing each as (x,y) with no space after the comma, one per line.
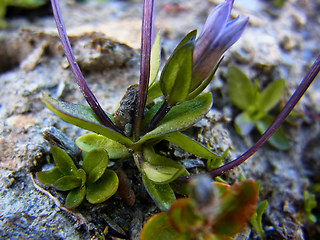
(278,43)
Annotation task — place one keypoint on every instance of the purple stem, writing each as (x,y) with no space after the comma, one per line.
(146,42)
(89,96)
(164,109)
(306,82)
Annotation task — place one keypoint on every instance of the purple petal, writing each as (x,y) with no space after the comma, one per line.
(232,33)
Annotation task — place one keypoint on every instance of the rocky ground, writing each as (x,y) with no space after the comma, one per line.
(279,42)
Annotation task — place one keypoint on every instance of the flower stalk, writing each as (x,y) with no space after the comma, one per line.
(146,42)
(87,93)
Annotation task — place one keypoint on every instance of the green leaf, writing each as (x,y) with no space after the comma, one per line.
(155,59)
(181,116)
(215,163)
(63,161)
(82,174)
(176,76)
(75,197)
(49,177)
(190,145)
(162,194)
(271,95)
(244,123)
(256,219)
(154,91)
(189,37)
(158,228)
(67,183)
(236,207)
(92,141)
(83,117)
(95,163)
(240,89)
(278,139)
(104,188)
(310,203)
(160,169)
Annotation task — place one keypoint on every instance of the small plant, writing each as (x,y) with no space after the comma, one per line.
(213,211)
(255,105)
(217,212)
(93,181)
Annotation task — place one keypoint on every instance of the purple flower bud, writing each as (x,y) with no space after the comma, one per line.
(218,34)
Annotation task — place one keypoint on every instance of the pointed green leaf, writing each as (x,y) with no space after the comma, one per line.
(49,177)
(236,207)
(190,145)
(189,37)
(75,197)
(155,59)
(92,141)
(67,183)
(176,76)
(271,95)
(162,194)
(241,91)
(104,188)
(95,163)
(279,139)
(244,124)
(63,161)
(158,228)
(83,117)
(181,116)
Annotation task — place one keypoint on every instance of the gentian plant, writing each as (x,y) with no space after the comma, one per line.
(135,129)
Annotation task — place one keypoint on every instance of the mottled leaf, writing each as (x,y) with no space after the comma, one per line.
(67,183)
(63,161)
(75,197)
(104,188)
(92,141)
(83,117)
(181,116)
(95,163)
(162,194)
(49,177)
(240,89)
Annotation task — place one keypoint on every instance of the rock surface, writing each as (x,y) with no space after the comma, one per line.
(279,42)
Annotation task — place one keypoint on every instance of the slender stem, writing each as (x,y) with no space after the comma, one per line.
(164,109)
(146,42)
(87,93)
(300,91)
